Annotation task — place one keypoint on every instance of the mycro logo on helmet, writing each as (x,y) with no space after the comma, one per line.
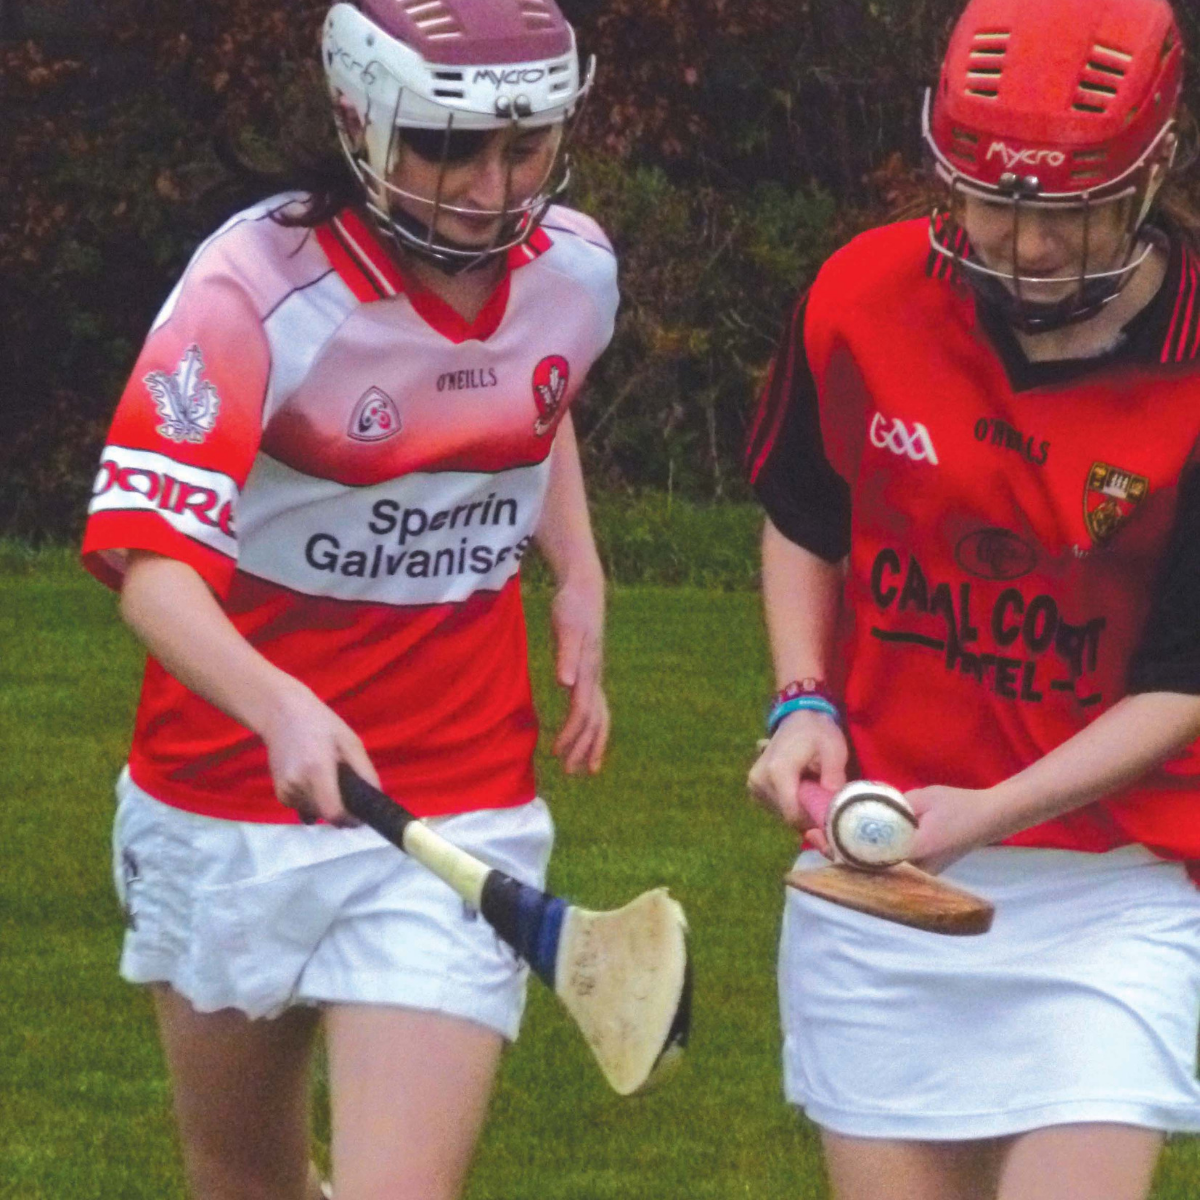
(515,75)
(1025,158)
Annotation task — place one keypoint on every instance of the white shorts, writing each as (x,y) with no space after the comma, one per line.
(260,917)
(1081,1004)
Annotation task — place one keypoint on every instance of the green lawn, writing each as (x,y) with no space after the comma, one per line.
(83,1103)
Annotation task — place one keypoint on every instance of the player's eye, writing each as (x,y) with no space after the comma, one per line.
(523,151)
(434,146)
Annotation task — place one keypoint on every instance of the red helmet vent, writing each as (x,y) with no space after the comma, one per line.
(1103,74)
(1089,166)
(985,63)
(964,146)
(434,19)
(537,15)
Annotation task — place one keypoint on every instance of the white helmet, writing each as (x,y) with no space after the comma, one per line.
(421,71)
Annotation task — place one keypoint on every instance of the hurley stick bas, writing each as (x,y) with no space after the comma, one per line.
(624,976)
(900,892)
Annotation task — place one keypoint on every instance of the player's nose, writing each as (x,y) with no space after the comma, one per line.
(1039,249)
(491,181)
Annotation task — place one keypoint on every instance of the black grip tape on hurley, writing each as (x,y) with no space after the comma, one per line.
(372,807)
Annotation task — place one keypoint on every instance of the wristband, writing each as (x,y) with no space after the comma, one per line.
(785,708)
(810,694)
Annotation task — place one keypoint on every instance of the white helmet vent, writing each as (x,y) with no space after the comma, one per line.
(448,77)
(563,71)
(434,19)
(988,50)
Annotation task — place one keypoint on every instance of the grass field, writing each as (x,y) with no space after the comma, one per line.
(83,1101)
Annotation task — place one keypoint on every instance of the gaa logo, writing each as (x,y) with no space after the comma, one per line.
(550,379)
(899,439)
(374,418)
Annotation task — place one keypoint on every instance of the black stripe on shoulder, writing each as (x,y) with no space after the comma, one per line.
(1183,336)
(953,239)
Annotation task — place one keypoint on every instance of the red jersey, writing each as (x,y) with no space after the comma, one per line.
(1022,537)
(356,472)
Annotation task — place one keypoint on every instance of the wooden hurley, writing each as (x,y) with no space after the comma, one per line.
(903,893)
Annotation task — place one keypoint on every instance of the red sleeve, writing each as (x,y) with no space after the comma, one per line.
(185,433)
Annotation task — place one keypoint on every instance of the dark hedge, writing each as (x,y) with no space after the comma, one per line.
(729,146)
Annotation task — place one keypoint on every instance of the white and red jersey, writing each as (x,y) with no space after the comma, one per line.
(356,471)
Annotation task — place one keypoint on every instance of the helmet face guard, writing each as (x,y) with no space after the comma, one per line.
(1050,132)
(392,100)
(1037,302)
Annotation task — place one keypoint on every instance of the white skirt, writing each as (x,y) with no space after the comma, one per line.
(1081,1004)
(261,917)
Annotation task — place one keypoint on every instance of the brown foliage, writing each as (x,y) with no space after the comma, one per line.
(716,136)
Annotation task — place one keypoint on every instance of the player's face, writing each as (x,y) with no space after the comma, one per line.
(1046,245)
(486,172)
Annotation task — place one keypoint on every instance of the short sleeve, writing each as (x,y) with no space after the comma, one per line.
(1167,658)
(805,498)
(185,433)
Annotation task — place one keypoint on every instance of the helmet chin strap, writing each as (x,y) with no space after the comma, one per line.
(1028,316)
(449,257)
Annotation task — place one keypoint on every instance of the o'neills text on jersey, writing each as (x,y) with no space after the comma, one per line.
(461,381)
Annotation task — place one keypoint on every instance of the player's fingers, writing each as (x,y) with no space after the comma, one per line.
(818,841)
(293,788)
(586,699)
(834,756)
(353,753)
(572,725)
(587,751)
(760,782)
(600,740)
(814,798)
(587,748)
(577,747)
(326,796)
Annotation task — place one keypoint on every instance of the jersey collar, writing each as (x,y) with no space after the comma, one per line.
(367,268)
(1165,333)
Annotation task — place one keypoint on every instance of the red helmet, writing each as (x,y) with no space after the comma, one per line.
(1056,103)
(427,72)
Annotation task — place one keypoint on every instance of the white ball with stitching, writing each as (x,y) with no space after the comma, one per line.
(870,825)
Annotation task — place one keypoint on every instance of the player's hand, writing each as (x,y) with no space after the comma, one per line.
(577,621)
(807,747)
(305,741)
(951,822)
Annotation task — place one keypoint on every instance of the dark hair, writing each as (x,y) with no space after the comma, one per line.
(1179,201)
(324,177)
(296,150)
